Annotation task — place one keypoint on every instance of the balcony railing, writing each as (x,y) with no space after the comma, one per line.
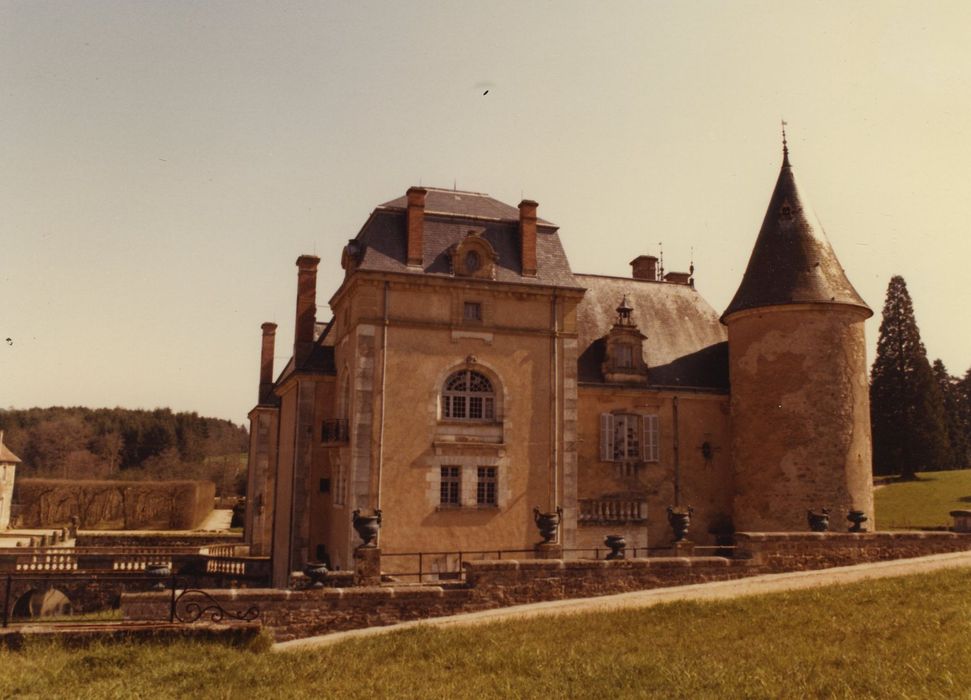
(334,431)
(595,511)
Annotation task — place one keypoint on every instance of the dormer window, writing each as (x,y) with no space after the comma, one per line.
(624,356)
(474,256)
(624,348)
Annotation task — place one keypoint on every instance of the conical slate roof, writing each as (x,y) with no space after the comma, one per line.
(792,262)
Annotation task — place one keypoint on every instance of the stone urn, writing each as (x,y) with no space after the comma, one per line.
(316,571)
(617,545)
(680,518)
(159,571)
(857,517)
(548,523)
(818,521)
(367,526)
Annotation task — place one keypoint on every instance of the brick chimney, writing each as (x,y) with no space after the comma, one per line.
(303,336)
(266,361)
(527,236)
(644,267)
(416,225)
(678,277)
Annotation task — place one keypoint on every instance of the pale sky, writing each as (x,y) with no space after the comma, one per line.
(164,163)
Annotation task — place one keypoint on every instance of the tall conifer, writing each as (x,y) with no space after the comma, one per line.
(906,409)
(954,416)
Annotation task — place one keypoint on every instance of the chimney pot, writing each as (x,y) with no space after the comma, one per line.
(527,236)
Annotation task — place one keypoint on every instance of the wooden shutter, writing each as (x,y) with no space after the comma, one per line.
(652,442)
(606,437)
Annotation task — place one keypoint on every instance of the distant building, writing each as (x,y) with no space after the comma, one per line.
(468,375)
(8,468)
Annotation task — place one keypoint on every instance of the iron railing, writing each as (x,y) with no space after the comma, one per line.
(334,431)
(186,604)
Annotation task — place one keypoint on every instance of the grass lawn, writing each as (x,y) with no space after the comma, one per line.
(923,503)
(893,638)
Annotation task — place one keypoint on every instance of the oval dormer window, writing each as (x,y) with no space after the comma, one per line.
(472,261)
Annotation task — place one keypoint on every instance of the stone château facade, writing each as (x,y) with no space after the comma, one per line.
(467,376)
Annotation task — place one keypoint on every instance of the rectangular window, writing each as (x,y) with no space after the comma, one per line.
(625,356)
(485,488)
(627,441)
(628,437)
(451,486)
(472,311)
(325,485)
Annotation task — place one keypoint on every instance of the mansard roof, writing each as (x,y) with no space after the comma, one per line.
(685,347)
(792,261)
(465,204)
(449,217)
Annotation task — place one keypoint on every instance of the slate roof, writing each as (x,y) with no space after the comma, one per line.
(449,217)
(459,203)
(6,456)
(686,345)
(792,261)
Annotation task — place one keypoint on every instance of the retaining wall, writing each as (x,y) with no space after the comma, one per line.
(291,614)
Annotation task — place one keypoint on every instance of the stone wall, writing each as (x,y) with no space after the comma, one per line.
(114,505)
(291,614)
(154,538)
(799,551)
(491,584)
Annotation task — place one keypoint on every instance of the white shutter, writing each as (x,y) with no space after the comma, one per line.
(606,437)
(652,442)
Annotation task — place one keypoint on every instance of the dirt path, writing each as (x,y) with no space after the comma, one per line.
(719,590)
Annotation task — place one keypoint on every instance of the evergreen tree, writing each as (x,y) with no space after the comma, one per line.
(906,408)
(954,416)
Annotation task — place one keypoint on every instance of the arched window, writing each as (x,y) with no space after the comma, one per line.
(468,395)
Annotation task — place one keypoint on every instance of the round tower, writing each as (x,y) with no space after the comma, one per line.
(800,404)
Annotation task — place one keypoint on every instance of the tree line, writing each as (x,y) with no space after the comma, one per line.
(920,413)
(118,443)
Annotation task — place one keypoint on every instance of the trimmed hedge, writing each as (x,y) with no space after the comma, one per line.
(114,505)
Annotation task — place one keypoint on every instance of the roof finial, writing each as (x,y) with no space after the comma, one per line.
(785,145)
(660,255)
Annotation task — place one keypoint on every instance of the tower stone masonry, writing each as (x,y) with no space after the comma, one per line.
(797,363)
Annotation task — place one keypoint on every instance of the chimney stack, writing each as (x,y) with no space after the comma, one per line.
(644,267)
(416,225)
(527,236)
(303,340)
(266,360)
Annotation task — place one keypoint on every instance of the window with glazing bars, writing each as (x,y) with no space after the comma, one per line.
(485,489)
(468,395)
(451,486)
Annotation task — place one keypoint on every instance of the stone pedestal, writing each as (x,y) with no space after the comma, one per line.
(367,566)
(684,548)
(962,520)
(549,550)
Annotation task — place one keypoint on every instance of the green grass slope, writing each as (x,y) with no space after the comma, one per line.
(922,503)
(893,638)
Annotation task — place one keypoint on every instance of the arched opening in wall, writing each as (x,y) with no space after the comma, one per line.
(469,395)
(47,602)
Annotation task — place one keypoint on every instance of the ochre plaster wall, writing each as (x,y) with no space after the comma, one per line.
(705,483)
(427,340)
(800,415)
